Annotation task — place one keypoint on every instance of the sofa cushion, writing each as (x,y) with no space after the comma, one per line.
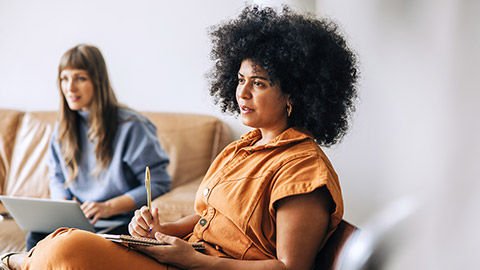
(177,203)
(192,141)
(8,131)
(28,173)
(12,238)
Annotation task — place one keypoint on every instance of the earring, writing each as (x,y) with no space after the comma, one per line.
(289,109)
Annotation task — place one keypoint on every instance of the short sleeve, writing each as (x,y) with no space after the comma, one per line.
(303,174)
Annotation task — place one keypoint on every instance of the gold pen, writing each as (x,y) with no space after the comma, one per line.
(149,192)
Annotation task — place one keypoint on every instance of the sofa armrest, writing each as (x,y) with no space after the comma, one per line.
(177,203)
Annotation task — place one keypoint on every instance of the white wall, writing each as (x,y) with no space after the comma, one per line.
(414,133)
(157,52)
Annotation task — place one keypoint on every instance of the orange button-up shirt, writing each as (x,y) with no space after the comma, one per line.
(236,200)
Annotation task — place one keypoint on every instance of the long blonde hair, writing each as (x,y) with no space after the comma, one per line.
(103,115)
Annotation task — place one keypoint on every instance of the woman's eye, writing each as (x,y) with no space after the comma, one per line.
(82,78)
(241,80)
(257,83)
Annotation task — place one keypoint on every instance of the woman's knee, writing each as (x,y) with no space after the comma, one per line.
(64,242)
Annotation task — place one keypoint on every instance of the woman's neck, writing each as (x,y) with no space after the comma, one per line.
(269,134)
(83,115)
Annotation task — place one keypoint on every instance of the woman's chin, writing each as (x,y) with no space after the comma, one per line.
(74,107)
(247,122)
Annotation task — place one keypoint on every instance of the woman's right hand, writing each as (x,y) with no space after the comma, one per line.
(145,225)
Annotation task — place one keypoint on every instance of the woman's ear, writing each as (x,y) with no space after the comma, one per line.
(289,100)
(289,106)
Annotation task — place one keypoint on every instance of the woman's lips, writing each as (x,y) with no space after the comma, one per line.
(245,109)
(74,98)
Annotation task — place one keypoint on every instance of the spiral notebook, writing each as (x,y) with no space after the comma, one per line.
(127,239)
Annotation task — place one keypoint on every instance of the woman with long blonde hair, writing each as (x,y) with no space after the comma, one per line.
(100,148)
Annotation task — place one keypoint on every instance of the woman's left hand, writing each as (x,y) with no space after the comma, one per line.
(177,253)
(117,205)
(96,210)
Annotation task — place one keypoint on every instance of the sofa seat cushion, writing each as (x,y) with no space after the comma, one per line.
(12,238)
(177,203)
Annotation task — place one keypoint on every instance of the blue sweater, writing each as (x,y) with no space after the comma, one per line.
(135,146)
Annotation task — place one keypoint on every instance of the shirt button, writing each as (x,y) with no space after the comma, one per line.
(206,191)
(203,222)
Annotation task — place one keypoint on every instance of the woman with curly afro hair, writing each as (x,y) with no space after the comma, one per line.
(271,199)
(306,57)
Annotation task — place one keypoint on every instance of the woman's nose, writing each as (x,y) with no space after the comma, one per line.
(243,91)
(69,86)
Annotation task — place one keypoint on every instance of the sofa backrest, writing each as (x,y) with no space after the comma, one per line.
(191,140)
(27,173)
(9,120)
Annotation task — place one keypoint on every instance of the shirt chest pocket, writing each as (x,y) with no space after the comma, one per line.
(238,198)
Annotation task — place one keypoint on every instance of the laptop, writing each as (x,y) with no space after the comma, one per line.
(46,215)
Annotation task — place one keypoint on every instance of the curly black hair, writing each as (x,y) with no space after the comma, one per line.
(307,56)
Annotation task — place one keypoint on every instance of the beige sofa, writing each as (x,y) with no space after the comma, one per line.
(191,140)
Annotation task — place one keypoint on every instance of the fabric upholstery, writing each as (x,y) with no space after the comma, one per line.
(28,174)
(191,141)
(8,125)
(177,203)
(12,238)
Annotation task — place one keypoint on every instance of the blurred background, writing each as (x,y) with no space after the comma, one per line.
(414,134)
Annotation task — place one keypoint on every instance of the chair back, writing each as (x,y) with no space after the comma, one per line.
(329,257)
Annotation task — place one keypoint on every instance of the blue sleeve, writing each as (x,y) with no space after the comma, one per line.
(55,174)
(144,149)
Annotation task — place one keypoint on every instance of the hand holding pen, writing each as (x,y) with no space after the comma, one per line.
(143,225)
(145,222)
